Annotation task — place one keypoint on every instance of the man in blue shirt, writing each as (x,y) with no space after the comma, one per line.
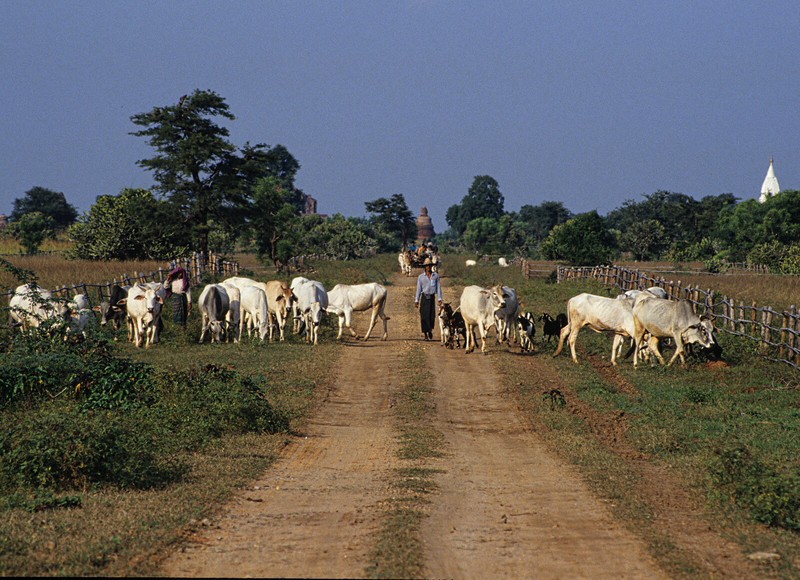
(428,290)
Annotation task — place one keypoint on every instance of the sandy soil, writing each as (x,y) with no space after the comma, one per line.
(506,507)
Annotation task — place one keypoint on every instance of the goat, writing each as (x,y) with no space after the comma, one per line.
(527,330)
(552,327)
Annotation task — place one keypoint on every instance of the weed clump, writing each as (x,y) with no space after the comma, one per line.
(772,497)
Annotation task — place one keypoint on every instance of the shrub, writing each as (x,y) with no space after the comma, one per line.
(40,366)
(58,446)
(208,403)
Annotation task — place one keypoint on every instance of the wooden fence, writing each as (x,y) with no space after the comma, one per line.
(197,265)
(775,332)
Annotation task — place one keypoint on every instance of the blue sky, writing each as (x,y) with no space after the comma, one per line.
(587,103)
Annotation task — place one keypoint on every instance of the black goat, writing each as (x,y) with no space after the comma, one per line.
(552,327)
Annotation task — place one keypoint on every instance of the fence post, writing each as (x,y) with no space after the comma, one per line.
(766,319)
(792,354)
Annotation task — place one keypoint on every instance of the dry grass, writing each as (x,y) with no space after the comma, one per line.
(777,291)
(54,271)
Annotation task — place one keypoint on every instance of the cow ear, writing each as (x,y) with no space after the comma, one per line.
(279,298)
(96,308)
(122,302)
(159,300)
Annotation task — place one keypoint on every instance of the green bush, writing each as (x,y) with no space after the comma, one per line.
(208,403)
(37,366)
(58,446)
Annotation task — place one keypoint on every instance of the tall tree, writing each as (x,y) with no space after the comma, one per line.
(52,204)
(203,175)
(394,217)
(273,221)
(483,200)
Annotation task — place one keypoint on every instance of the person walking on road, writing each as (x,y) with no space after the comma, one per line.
(428,291)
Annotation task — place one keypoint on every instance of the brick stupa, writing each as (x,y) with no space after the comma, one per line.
(424,226)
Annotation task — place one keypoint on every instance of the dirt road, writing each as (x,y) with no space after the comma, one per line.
(506,508)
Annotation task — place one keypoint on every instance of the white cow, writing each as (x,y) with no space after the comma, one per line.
(344,299)
(478,307)
(254,313)
(80,314)
(298,324)
(234,312)
(469,263)
(669,319)
(279,300)
(501,261)
(507,315)
(312,302)
(600,314)
(30,305)
(143,304)
(214,305)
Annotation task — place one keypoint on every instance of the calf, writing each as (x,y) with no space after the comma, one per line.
(444,315)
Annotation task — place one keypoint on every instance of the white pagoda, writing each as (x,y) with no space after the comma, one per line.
(770,186)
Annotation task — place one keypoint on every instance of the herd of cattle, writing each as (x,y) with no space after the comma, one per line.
(239,305)
(228,309)
(644,317)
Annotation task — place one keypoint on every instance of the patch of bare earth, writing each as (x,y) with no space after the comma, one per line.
(505,506)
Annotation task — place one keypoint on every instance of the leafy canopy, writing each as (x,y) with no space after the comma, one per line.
(52,204)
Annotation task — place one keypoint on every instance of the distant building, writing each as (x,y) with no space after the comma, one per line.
(309,204)
(770,186)
(3,220)
(424,226)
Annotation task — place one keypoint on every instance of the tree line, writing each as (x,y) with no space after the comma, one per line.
(210,194)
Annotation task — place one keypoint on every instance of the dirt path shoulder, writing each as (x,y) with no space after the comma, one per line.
(505,507)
